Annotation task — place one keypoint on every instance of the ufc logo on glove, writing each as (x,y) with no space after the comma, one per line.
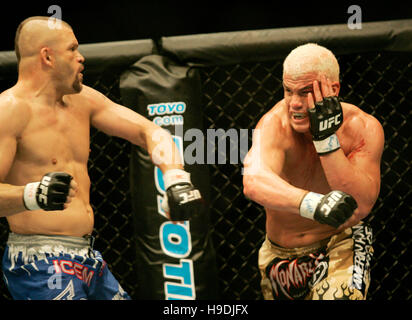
(190,196)
(325,119)
(327,124)
(49,194)
(181,199)
(44,187)
(331,201)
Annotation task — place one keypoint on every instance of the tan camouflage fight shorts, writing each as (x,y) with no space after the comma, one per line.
(337,268)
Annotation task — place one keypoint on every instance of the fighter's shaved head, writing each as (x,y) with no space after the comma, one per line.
(32,34)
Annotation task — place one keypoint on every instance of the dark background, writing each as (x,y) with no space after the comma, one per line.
(104,21)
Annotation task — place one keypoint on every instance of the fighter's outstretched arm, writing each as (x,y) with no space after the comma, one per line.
(119,121)
(181,198)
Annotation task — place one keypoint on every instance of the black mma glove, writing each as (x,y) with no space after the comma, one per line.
(333,208)
(48,194)
(181,199)
(325,119)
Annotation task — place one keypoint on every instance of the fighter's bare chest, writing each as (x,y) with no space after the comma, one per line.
(57,135)
(303,169)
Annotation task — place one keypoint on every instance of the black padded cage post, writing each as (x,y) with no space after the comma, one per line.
(242,79)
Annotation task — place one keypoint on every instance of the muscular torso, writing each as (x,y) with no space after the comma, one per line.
(54,139)
(302,168)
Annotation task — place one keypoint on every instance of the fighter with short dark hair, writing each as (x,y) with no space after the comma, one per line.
(45,121)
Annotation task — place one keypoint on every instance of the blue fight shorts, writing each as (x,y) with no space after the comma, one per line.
(41,267)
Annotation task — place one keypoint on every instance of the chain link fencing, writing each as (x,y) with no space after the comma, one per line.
(236,96)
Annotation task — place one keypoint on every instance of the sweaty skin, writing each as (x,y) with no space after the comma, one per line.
(52,139)
(283,165)
(45,124)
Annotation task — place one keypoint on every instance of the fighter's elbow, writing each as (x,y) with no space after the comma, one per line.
(249,186)
(363,210)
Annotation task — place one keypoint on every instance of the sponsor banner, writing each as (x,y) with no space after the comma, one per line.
(176,261)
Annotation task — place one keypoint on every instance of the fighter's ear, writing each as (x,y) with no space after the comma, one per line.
(46,56)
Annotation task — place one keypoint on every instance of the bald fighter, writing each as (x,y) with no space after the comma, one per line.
(314,166)
(45,121)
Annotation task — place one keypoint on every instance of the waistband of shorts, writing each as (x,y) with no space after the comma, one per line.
(300,250)
(38,241)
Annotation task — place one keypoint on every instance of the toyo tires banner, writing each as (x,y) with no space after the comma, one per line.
(176,261)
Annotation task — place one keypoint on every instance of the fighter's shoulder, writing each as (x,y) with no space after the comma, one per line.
(12,102)
(90,97)
(357,120)
(275,118)
(14,110)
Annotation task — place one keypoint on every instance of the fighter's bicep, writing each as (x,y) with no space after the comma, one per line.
(366,155)
(260,159)
(13,118)
(117,120)
(266,152)
(274,159)
(370,146)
